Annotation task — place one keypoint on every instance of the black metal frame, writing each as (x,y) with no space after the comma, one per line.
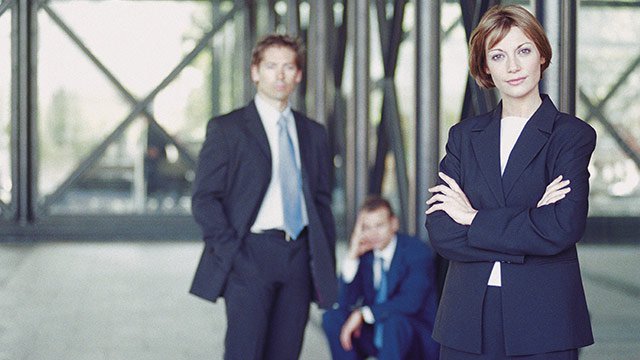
(25,217)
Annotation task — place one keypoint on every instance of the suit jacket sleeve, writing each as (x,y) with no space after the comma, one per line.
(210,184)
(449,238)
(549,229)
(323,193)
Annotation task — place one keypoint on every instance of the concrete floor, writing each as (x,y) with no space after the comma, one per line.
(129,300)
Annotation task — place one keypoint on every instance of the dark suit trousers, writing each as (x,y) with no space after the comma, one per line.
(267,299)
(493,347)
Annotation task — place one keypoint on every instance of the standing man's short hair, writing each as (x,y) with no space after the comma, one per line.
(279,40)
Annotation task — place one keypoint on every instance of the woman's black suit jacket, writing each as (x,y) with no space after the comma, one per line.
(544,307)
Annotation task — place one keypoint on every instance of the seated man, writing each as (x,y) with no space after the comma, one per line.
(387,300)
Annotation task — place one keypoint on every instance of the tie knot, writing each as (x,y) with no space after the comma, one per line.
(282,121)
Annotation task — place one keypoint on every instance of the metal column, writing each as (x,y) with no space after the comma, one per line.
(24,113)
(318,50)
(293,17)
(337,124)
(248,28)
(216,60)
(548,13)
(567,101)
(427,105)
(358,119)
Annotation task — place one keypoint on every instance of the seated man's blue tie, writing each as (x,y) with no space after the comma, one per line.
(290,182)
(381,296)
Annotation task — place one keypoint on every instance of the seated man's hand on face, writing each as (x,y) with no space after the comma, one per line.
(373,230)
(359,245)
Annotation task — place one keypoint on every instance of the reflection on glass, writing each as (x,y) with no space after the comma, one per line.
(98,153)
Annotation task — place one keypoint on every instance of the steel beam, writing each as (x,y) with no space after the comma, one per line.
(567,94)
(272,16)
(621,79)
(249,38)
(389,130)
(358,129)
(5,5)
(25,24)
(293,17)
(632,150)
(548,13)
(427,105)
(318,50)
(337,119)
(216,60)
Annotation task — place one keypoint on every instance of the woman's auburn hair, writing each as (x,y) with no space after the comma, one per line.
(493,27)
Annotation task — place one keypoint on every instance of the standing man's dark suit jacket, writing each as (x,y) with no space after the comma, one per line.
(233,175)
(544,307)
(411,288)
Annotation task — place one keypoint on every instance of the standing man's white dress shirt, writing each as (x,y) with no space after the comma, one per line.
(271,214)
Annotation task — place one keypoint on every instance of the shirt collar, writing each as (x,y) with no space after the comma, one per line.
(268,112)
(387,253)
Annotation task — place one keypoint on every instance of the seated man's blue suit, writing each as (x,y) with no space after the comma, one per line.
(407,315)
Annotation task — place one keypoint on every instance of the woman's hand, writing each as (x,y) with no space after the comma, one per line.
(555,191)
(451,199)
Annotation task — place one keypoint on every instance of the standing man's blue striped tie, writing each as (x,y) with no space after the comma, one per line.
(290,182)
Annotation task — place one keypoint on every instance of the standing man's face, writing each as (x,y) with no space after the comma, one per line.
(277,75)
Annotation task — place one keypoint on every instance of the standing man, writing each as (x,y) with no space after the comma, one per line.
(262,198)
(387,301)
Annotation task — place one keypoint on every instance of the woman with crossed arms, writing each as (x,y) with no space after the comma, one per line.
(510,206)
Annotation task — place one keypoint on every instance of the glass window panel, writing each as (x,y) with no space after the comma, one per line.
(142,170)
(77,106)
(140,42)
(5,110)
(605,50)
(183,107)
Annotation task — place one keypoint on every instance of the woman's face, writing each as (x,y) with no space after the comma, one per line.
(514,65)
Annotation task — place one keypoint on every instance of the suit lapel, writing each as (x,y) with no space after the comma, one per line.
(485,141)
(256,129)
(397,263)
(303,141)
(304,149)
(532,139)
